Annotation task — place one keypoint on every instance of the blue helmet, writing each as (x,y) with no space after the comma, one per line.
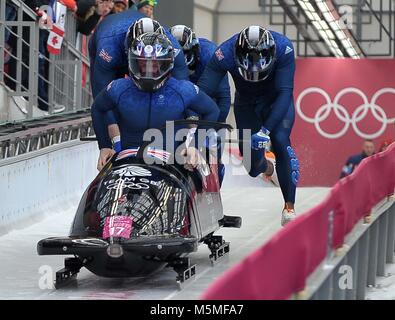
(151,60)
(255,53)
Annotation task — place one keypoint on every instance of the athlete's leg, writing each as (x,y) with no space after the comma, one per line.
(247,118)
(287,164)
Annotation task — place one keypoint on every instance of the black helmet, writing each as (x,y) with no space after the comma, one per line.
(189,44)
(255,53)
(151,59)
(140,27)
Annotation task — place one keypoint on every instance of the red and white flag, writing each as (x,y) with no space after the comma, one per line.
(55,38)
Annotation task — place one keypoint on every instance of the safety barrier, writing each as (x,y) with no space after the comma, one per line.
(352,228)
(68,72)
(34,183)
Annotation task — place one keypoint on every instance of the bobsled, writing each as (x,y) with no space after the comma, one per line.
(137,218)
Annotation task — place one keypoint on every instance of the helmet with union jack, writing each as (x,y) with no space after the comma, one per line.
(151,60)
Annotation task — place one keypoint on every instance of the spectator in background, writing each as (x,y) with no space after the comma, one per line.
(10,15)
(132,4)
(90,12)
(119,6)
(146,7)
(70,4)
(367,151)
(35,5)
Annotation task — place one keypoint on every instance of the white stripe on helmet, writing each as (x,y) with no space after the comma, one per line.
(178,31)
(254,34)
(147,24)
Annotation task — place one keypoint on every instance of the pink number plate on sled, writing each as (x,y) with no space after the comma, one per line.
(117,226)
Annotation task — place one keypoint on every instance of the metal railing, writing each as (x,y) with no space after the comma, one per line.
(55,132)
(346,273)
(66,71)
(373,26)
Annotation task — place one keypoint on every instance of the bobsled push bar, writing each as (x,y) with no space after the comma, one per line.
(211,124)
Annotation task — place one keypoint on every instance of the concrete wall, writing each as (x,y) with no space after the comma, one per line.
(231,22)
(171,12)
(203,22)
(38,183)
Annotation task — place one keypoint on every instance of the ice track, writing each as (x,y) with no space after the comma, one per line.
(258,203)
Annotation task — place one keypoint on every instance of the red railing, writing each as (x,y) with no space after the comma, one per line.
(280,267)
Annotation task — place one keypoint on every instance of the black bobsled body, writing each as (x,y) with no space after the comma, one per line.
(135,218)
(171,210)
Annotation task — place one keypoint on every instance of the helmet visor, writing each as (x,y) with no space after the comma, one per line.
(150,68)
(255,61)
(255,65)
(254,76)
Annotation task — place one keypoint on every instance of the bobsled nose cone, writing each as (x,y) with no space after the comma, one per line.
(115,250)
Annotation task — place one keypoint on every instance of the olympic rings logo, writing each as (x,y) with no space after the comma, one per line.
(342,114)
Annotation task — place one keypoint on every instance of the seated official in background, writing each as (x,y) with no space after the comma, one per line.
(354,161)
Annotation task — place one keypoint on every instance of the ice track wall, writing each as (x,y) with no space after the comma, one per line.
(281,267)
(32,184)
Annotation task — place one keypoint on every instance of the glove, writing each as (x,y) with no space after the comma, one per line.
(260,140)
(116,144)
